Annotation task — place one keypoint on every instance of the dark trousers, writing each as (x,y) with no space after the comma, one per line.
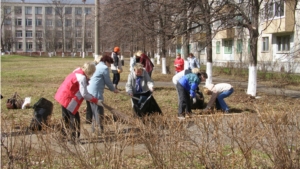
(184,100)
(71,123)
(89,113)
(116,78)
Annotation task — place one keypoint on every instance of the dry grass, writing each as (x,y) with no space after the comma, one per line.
(260,133)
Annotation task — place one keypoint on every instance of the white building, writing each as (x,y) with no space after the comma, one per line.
(47,27)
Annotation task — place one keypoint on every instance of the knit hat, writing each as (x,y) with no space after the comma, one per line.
(116,49)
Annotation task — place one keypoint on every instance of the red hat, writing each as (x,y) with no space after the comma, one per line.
(116,49)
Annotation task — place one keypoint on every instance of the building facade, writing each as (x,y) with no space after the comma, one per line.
(47,27)
(278,43)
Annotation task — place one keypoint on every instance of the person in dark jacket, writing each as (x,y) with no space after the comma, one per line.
(116,67)
(187,86)
(145,61)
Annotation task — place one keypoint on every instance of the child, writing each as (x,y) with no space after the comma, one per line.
(218,92)
(70,95)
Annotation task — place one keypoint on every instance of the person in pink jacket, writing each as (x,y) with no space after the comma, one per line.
(70,95)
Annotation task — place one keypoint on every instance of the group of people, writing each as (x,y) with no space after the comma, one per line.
(88,83)
(187,81)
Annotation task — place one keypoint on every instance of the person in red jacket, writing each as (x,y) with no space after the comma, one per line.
(178,63)
(145,61)
(70,95)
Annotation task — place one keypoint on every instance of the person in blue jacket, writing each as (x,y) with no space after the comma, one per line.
(186,87)
(96,88)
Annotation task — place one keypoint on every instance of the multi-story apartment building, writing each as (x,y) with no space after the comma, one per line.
(47,27)
(278,43)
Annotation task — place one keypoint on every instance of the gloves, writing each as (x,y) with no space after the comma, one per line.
(99,103)
(151,89)
(194,100)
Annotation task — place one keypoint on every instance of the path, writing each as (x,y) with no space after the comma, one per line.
(260,88)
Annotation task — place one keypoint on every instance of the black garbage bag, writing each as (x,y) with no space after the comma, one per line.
(199,101)
(146,104)
(42,110)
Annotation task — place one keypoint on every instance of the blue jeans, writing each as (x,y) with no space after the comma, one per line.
(221,97)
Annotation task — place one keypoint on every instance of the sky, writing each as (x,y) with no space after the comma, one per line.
(49,1)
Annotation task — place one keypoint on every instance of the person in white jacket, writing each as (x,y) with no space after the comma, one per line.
(218,92)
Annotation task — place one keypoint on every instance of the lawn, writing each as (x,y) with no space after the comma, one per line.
(260,133)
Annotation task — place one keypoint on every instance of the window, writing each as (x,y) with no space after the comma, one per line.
(239,46)
(78,34)
(39,45)
(227,46)
(78,45)
(88,11)
(59,34)
(28,34)
(49,22)
(48,10)
(274,9)
(68,22)
(28,45)
(78,11)
(7,10)
(18,22)
(39,34)
(68,10)
(18,34)
(19,45)
(38,22)
(201,47)
(59,45)
(88,45)
(58,23)
(265,44)
(217,24)
(69,46)
(283,43)
(28,10)
(218,47)
(68,34)
(89,23)
(38,10)
(28,22)
(7,21)
(89,34)
(18,10)
(78,23)
(58,11)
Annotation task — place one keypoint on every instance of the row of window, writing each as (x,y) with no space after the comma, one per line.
(29,45)
(49,22)
(283,44)
(39,34)
(48,10)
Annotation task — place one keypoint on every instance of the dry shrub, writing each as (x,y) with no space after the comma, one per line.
(260,133)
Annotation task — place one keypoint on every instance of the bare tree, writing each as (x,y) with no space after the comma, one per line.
(7,38)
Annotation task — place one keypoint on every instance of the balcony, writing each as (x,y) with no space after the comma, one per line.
(281,22)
